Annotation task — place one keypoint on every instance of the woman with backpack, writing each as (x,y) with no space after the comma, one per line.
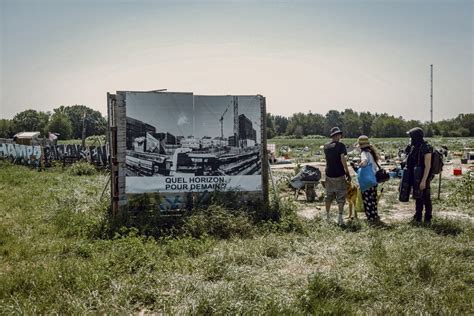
(366,171)
(419,165)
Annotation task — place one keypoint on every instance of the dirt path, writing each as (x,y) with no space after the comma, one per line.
(390,209)
(401,212)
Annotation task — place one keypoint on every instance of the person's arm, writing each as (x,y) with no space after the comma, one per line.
(364,160)
(426,172)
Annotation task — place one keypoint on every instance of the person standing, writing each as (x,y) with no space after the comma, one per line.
(419,165)
(368,159)
(337,173)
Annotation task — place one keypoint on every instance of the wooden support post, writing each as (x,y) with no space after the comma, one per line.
(263,152)
(439,185)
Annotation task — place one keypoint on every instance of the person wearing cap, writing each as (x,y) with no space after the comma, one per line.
(337,173)
(419,164)
(369,158)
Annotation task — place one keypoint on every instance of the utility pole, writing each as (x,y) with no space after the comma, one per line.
(431,109)
(84,130)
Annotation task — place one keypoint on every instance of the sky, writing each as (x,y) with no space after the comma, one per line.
(301,55)
(185,114)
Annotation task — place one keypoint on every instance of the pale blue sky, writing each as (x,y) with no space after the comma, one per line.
(302,55)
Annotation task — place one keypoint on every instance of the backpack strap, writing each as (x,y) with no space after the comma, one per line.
(373,158)
(420,151)
(377,164)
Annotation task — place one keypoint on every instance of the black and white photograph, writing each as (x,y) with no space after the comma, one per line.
(181,138)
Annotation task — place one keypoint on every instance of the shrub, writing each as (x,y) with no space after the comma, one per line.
(282,216)
(462,191)
(82,168)
(144,214)
(218,222)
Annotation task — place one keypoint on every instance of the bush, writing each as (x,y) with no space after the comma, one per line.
(143,213)
(82,168)
(462,191)
(218,222)
(282,216)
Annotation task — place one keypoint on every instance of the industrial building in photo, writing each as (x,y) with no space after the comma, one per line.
(135,129)
(222,149)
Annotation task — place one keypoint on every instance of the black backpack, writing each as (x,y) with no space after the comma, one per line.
(436,161)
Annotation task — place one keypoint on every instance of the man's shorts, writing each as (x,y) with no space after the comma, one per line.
(336,188)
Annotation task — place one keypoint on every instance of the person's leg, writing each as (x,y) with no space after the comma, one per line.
(375,214)
(366,201)
(370,203)
(428,205)
(330,196)
(340,219)
(328,209)
(341,198)
(418,209)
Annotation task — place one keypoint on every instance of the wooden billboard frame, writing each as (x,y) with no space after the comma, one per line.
(116,138)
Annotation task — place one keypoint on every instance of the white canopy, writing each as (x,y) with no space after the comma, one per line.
(27,135)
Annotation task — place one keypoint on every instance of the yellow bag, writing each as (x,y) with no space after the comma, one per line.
(359,206)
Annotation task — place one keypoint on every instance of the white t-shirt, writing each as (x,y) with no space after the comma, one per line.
(367,156)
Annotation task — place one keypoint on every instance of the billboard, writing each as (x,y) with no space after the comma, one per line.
(180,142)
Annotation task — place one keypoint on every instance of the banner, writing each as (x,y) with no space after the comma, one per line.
(179,142)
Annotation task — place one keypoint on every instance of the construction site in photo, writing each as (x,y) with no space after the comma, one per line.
(179,142)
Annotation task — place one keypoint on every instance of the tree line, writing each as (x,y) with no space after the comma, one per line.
(65,121)
(355,124)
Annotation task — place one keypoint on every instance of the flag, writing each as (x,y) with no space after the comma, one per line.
(52,137)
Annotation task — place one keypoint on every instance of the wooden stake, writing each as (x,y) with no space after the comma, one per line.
(439,186)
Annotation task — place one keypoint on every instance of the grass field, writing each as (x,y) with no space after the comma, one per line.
(388,145)
(59,254)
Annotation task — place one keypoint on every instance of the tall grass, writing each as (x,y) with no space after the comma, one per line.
(58,255)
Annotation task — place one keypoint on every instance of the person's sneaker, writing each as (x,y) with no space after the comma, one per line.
(340,220)
(328,217)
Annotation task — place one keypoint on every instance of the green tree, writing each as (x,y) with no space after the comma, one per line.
(30,121)
(270,126)
(60,124)
(95,123)
(352,123)
(6,128)
(428,129)
(314,124)
(301,121)
(299,131)
(366,120)
(412,123)
(467,121)
(333,118)
(388,126)
(281,124)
